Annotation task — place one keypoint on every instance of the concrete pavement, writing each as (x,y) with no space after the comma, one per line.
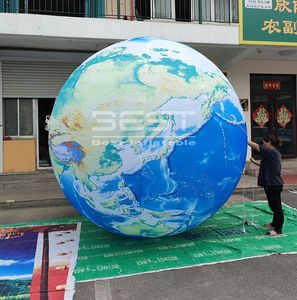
(30,193)
(265,278)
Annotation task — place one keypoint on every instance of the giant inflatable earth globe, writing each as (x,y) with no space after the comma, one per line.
(147,138)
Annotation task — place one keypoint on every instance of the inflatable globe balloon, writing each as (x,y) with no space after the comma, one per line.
(147,138)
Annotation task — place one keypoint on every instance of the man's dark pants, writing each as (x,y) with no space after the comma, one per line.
(273,194)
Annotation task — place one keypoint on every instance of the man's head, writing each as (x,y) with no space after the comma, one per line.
(271,141)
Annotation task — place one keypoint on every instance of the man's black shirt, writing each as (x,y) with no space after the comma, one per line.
(270,167)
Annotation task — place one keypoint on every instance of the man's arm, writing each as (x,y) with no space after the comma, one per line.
(254,162)
(255,146)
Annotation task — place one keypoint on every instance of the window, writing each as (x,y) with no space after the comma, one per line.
(18,117)
(222,11)
(74,8)
(206,10)
(183,10)
(163,9)
(225,11)
(143,9)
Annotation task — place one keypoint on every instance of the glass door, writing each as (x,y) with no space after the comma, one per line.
(183,10)
(142,9)
(273,110)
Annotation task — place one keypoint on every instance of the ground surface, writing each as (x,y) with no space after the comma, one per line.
(272,277)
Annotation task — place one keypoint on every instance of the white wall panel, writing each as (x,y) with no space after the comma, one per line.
(34,79)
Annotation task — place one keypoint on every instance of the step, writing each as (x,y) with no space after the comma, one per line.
(28,176)
(19,185)
(289,167)
(28,203)
(28,196)
(255,172)
(31,194)
(30,179)
(289,163)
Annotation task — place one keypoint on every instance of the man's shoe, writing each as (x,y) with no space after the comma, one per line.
(273,232)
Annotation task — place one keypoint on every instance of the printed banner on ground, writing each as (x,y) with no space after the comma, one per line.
(104,255)
(224,237)
(37,260)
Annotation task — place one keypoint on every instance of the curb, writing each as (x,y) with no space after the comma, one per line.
(11,204)
(258,188)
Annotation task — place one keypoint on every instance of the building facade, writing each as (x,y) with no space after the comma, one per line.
(43,41)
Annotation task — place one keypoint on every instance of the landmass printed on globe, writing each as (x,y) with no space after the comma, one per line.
(147,138)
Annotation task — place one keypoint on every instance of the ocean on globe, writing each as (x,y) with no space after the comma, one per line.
(147,138)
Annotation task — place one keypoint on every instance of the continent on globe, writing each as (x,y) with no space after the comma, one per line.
(147,138)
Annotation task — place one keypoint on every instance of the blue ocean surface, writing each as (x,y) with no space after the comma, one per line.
(204,170)
(197,178)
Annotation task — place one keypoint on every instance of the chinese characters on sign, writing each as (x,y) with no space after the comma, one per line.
(272,22)
(260,4)
(271,85)
(286,26)
(283,5)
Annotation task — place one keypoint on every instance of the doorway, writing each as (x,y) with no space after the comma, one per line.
(45,107)
(142,9)
(273,110)
(183,10)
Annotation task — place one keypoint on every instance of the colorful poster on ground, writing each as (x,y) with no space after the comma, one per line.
(37,262)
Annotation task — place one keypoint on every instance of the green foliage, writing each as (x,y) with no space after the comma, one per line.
(15,289)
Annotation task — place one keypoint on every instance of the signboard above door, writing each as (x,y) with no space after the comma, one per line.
(268,22)
(272,85)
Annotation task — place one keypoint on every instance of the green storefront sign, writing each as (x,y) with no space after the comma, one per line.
(268,22)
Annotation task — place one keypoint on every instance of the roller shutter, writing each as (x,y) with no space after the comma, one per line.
(34,79)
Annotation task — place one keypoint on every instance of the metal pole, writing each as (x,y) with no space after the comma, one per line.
(132,9)
(26,7)
(118,9)
(200,11)
(44,267)
(230,5)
